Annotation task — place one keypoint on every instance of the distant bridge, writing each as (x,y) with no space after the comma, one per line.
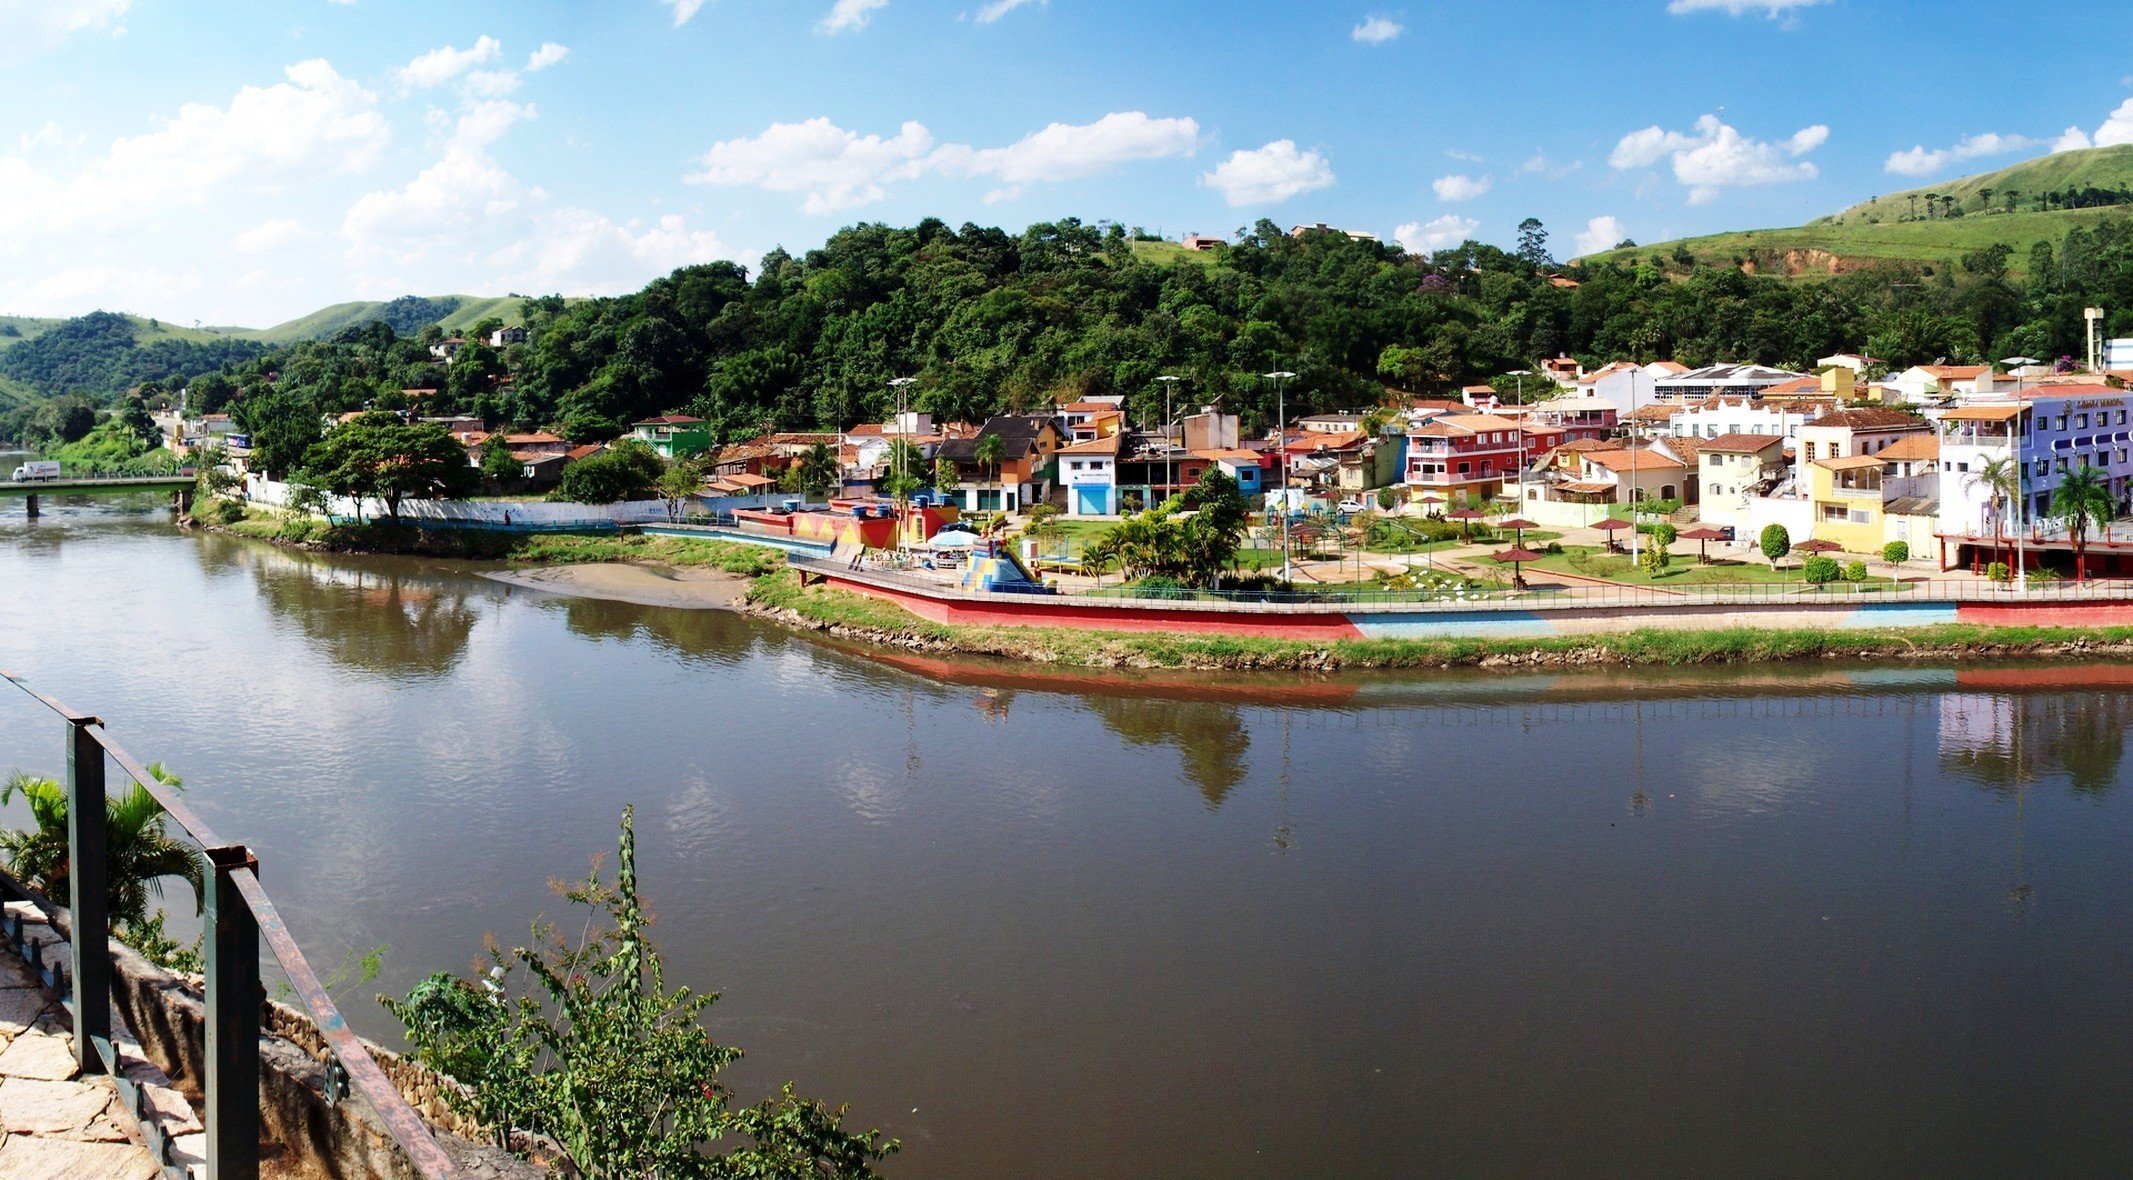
(179,486)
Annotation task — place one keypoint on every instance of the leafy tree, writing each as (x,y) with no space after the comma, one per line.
(1776,542)
(819,472)
(1855,571)
(590,1048)
(682,479)
(498,463)
(140,850)
(629,470)
(1820,570)
(1533,244)
(990,452)
(283,425)
(1655,559)
(2082,501)
(944,480)
(1896,552)
(377,456)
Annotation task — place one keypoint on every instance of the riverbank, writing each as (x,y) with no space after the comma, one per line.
(704,574)
(851,616)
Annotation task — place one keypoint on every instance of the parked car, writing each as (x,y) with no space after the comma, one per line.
(1349,506)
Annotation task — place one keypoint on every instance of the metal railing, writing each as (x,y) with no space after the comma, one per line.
(237,915)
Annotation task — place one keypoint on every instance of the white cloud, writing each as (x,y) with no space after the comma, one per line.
(1442,234)
(441,65)
(447,199)
(315,121)
(82,288)
(840,170)
(1066,151)
(1769,8)
(837,169)
(572,249)
(547,55)
(1460,187)
(999,8)
(1919,161)
(849,15)
(1269,175)
(683,10)
(1601,233)
(269,236)
(1716,157)
(1456,154)
(29,27)
(2117,128)
(1376,30)
(51,135)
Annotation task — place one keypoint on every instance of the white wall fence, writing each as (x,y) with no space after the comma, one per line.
(531,514)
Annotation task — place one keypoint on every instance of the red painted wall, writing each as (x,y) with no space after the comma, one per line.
(2046,614)
(1040,611)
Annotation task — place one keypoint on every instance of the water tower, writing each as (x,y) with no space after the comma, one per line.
(2094,316)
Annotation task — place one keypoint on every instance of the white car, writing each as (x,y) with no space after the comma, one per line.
(1349,506)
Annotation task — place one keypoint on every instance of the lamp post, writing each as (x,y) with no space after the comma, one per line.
(1281,458)
(903,449)
(1170,472)
(1521,374)
(2017,364)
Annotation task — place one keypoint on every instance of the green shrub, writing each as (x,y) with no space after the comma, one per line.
(1855,571)
(1895,552)
(1820,570)
(1655,560)
(1998,572)
(1776,542)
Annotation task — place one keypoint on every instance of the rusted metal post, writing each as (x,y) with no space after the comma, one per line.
(89,898)
(233,1003)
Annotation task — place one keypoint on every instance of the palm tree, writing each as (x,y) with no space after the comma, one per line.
(141,852)
(991,451)
(2002,480)
(2082,499)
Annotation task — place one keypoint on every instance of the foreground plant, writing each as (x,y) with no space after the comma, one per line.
(599,1056)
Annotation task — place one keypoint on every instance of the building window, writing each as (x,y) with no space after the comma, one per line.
(1861,516)
(2062,423)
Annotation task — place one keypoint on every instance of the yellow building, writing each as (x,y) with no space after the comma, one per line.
(1847,503)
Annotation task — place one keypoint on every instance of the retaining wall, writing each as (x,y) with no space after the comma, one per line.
(1392,621)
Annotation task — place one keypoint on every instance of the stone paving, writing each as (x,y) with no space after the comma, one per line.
(56,1125)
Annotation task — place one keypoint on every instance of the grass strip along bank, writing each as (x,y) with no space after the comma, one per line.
(774,592)
(857,616)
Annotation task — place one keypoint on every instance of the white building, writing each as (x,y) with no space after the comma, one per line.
(1720,416)
(2050,431)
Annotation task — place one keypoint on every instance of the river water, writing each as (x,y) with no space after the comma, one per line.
(1750,922)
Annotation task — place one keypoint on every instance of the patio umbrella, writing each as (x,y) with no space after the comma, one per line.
(1611,526)
(1818,545)
(1465,517)
(1702,534)
(1516,557)
(1518,526)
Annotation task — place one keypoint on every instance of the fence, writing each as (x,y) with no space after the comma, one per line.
(238,914)
(1585,595)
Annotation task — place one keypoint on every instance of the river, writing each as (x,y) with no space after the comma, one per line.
(1749,922)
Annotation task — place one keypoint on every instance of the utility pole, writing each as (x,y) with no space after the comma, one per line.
(1521,374)
(1281,459)
(1170,469)
(903,449)
(2017,364)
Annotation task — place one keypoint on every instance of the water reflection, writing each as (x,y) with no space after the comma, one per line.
(385,621)
(2004,742)
(1210,737)
(716,635)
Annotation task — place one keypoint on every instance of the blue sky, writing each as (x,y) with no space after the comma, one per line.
(245,162)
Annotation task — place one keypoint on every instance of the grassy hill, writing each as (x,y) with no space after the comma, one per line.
(1895,229)
(15,329)
(464,312)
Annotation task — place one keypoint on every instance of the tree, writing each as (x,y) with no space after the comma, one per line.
(1896,552)
(377,456)
(595,1052)
(498,463)
(140,851)
(990,452)
(1820,570)
(1656,559)
(283,425)
(629,470)
(682,479)
(1533,244)
(2002,480)
(819,472)
(1776,542)
(2082,500)
(944,480)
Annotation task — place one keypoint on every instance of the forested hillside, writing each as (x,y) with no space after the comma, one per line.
(103,354)
(987,320)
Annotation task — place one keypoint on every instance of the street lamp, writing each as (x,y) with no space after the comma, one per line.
(1281,458)
(1170,471)
(903,448)
(2016,364)
(1521,374)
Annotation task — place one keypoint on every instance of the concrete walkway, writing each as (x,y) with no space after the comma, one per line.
(56,1124)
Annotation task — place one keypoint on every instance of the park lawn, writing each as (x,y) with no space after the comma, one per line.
(1685,572)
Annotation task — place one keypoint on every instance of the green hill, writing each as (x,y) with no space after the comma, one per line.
(407,314)
(1897,228)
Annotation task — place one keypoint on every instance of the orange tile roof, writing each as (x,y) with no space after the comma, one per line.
(1106,445)
(1922,445)
(1645,459)
(1743,444)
